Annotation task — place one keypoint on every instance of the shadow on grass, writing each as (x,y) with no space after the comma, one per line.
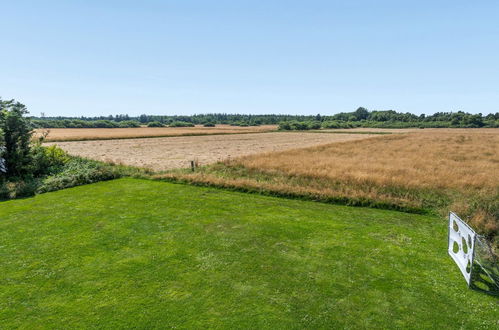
(485,279)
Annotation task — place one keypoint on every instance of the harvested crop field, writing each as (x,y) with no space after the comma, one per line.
(82,134)
(176,152)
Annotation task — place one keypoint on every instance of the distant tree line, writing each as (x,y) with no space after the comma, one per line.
(159,121)
(358,118)
(393,119)
(79,123)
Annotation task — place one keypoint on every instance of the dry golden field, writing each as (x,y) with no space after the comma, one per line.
(176,152)
(423,169)
(431,160)
(82,134)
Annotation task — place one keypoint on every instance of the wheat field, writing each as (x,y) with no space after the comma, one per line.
(83,134)
(432,160)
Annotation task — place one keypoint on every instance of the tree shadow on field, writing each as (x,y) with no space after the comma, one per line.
(485,279)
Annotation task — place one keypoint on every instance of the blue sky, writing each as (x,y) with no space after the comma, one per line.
(301,57)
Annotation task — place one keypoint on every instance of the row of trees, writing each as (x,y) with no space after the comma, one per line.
(359,117)
(78,123)
(216,118)
(456,119)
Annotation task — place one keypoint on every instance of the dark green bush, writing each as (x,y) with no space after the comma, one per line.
(77,123)
(181,124)
(155,124)
(26,188)
(48,160)
(128,124)
(19,188)
(4,191)
(104,124)
(285,126)
(332,124)
(338,124)
(314,125)
(79,171)
(299,125)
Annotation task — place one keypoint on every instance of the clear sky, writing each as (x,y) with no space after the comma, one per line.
(300,57)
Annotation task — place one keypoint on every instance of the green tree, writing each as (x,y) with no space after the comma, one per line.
(361,113)
(17,134)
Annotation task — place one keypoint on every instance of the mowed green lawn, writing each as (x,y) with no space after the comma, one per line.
(142,254)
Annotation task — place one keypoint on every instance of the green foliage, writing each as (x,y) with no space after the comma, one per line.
(77,123)
(240,124)
(129,124)
(299,126)
(392,119)
(209,124)
(57,170)
(33,168)
(337,124)
(26,161)
(155,124)
(360,117)
(181,124)
(17,189)
(361,114)
(16,138)
(48,160)
(285,126)
(314,125)
(79,171)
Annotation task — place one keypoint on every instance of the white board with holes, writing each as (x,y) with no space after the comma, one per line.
(461,245)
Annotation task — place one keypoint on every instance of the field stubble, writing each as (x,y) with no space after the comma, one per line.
(83,134)
(161,154)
